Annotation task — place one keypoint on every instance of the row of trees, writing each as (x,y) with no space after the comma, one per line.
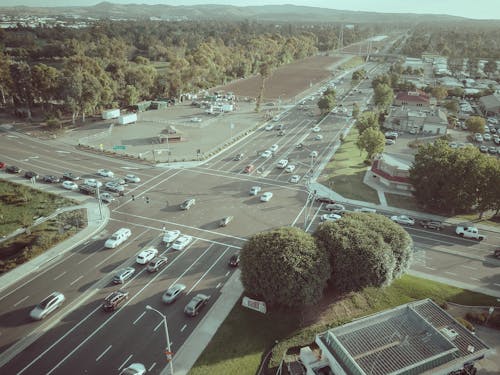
(370,138)
(455,180)
(289,267)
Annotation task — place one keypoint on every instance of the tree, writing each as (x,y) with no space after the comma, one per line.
(358,75)
(490,67)
(22,82)
(439,92)
(45,82)
(355,110)
(452,106)
(364,250)
(326,104)
(372,141)
(383,96)
(367,120)
(475,124)
(265,71)
(284,267)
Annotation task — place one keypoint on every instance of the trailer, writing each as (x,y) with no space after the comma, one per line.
(158,104)
(109,114)
(129,118)
(142,106)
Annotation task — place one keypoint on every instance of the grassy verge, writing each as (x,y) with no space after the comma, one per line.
(487,219)
(401,201)
(246,336)
(345,172)
(352,63)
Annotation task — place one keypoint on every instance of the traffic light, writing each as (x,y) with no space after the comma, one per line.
(133,197)
(147,199)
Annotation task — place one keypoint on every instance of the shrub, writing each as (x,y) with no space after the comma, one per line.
(477,317)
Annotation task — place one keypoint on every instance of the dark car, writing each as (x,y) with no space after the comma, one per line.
(30,175)
(225,221)
(234,261)
(238,157)
(51,179)
(325,200)
(13,169)
(496,253)
(431,224)
(115,300)
(70,176)
(87,189)
(187,204)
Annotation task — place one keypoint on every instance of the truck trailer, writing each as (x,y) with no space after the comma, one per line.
(109,114)
(129,118)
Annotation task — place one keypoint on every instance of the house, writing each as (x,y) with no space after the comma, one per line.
(435,123)
(416,338)
(430,121)
(392,172)
(490,104)
(416,98)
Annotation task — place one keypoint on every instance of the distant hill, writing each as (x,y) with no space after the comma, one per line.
(264,13)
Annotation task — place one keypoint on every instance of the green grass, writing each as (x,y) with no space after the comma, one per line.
(401,201)
(246,336)
(487,219)
(345,172)
(353,62)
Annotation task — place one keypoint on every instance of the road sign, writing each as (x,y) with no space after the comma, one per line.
(119,147)
(253,304)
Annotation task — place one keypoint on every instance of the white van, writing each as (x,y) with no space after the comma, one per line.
(282,163)
(120,236)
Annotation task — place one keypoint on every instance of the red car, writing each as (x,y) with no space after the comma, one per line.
(249,168)
(2,165)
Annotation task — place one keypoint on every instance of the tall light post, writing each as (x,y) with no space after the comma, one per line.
(169,352)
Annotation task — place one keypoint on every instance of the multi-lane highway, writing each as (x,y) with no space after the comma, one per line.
(82,338)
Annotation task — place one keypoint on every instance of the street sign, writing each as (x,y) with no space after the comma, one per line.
(119,147)
(253,304)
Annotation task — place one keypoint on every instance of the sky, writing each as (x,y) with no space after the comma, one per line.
(478,9)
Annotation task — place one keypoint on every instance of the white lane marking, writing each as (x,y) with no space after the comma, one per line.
(475,279)
(430,268)
(469,267)
(158,326)
(138,318)
(207,271)
(183,327)
(450,273)
(63,152)
(75,281)
(152,367)
(227,273)
(85,243)
(87,257)
(61,275)
(496,284)
(218,286)
(21,301)
(125,362)
(102,354)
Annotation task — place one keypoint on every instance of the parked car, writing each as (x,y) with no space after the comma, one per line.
(146,255)
(171,235)
(326,200)
(390,142)
(157,263)
(187,204)
(106,198)
(132,178)
(115,300)
(2,165)
(496,253)
(114,187)
(123,275)
(403,220)
(92,182)
(487,136)
(119,181)
(431,224)
(105,173)
(70,176)
(234,261)
(51,179)
(391,135)
(313,154)
(87,189)
(47,306)
(266,197)
(274,148)
(173,293)
(30,174)
(249,168)
(282,163)
(182,242)
(196,303)
(330,217)
(13,169)
(69,185)
(269,127)
(483,148)
(225,221)
(294,178)
(318,137)
(335,208)
(290,168)
(238,157)
(478,137)
(316,129)
(254,190)
(134,369)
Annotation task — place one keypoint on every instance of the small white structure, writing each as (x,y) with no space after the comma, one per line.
(129,118)
(109,114)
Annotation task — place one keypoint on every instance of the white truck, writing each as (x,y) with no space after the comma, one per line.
(469,232)
(110,114)
(129,118)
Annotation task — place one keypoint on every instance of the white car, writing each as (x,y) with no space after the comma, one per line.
(48,305)
(172,293)
(314,154)
(106,197)
(113,186)
(295,178)
(282,163)
(269,127)
(316,129)
(318,137)
(92,182)
(254,190)
(105,173)
(274,148)
(330,217)
(266,154)
(335,207)
(487,136)
(196,119)
(182,242)
(146,255)
(132,178)
(290,168)
(403,220)
(171,235)
(69,185)
(266,197)
(134,369)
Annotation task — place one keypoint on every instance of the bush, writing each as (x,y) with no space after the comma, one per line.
(466,324)
(477,317)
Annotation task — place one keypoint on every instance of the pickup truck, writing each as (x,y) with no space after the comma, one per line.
(469,232)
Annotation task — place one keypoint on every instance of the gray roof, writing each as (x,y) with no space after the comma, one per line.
(490,102)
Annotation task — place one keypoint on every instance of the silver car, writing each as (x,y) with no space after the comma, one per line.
(173,293)
(48,305)
(123,275)
(156,263)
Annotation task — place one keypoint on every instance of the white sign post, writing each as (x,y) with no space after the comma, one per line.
(253,304)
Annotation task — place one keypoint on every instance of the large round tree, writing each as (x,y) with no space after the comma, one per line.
(364,250)
(284,267)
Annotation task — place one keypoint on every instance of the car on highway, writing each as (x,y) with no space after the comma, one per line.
(403,220)
(294,178)
(496,253)
(146,255)
(196,303)
(266,197)
(13,169)
(266,154)
(431,224)
(318,137)
(106,198)
(182,242)
(157,263)
(238,157)
(316,129)
(114,300)
(114,187)
(92,182)
(225,221)
(365,210)
(134,369)
(391,135)
(50,179)
(172,293)
(299,145)
(47,306)
(335,208)
(274,148)
(123,275)
(105,173)
(325,200)
(132,178)
(171,235)
(249,168)
(70,176)
(290,168)
(117,238)
(390,142)
(69,185)
(281,133)
(269,127)
(187,204)
(254,190)
(330,217)
(30,174)
(234,261)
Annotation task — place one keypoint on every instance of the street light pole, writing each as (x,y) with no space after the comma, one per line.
(169,352)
